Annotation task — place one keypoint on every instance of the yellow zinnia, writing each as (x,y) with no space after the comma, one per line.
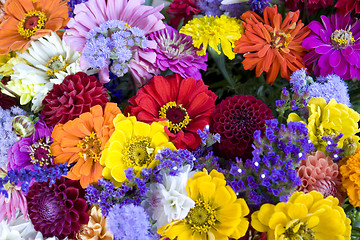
(214,31)
(133,144)
(304,216)
(218,213)
(329,119)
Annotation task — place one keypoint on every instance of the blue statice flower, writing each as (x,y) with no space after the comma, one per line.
(270,175)
(113,42)
(72,4)
(7,136)
(258,5)
(24,177)
(129,222)
(331,86)
(209,7)
(332,148)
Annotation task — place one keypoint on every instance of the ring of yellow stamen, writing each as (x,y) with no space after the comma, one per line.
(175,125)
(56,64)
(280,39)
(201,217)
(138,152)
(90,147)
(342,38)
(27,32)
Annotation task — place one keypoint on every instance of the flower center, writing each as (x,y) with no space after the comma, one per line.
(341,39)
(33,21)
(90,147)
(201,217)
(139,152)
(298,231)
(55,65)
(49,208)
(177,116)
(280,39)
(40,152)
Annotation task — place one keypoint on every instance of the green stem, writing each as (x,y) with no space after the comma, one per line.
(220,62)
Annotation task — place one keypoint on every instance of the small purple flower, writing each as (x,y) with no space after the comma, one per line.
(34,150)
(176,52)
(334,46)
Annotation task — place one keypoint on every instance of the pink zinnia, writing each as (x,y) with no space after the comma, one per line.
(94,13)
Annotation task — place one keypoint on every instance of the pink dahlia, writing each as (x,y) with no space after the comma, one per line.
(95,20)
(236,119)
(57,210)
(334,46)
(347,6)
(318,172)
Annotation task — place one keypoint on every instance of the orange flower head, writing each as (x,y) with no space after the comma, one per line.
(82,140)
(272,45)
(350,172)
(28,20)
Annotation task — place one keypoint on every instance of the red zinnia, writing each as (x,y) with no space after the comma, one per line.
(347,6)
(186,103)
(180,9)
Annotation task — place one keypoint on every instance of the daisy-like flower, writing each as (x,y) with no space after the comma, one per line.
(329,119)
(304,216)
(186,103)
(133,144)
(334,46)
(27,20)
(215,32)
(82,140)
(271,44)
(49,60)
(217,214)
(176,52)
(345,7)
(127,23)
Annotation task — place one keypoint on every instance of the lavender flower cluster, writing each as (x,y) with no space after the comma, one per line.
(113,40)
(271,174)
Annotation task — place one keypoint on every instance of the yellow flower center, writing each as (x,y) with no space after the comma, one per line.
(341,39)
(90,147)
(55,65)
(298,231)
(40,152)
(139,152)
(33,21)
(201,217)
(177,116)
(280,39)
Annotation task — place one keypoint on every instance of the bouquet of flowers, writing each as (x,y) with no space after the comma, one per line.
(186,120)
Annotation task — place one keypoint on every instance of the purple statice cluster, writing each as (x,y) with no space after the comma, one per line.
(270,175)
(176,52)
(258,5)
(331,86)
(129,222)
(208,161)
(299,97)
(332,149)
(218,8)
(208,139)
(7,136)
(72,4)
(113,42)
(25,177)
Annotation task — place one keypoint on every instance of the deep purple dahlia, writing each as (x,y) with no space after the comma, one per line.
(236,119)
(176,52)
(57,210)
(334,46)
(32,150)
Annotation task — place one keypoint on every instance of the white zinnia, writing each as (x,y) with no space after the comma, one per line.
(50,60)
(169,201)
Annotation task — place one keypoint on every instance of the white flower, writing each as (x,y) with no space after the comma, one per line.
(50,60)
(169,201)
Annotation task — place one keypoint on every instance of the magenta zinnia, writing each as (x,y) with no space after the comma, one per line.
(186,103)
(334,46)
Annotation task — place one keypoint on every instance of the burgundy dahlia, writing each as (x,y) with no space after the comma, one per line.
(347,6)
(180,9)
(57,210)
(312,5)
(6,102)
(74,96)
(236,119)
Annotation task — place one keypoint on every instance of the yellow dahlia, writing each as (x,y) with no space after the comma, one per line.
(133,144)
(350,172)
(304,216)
(214,31)
(329,119)
(218,213)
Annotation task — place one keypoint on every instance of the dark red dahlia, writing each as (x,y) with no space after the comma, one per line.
(347,6)
(57,210)
(312,5)
(180,9)
(74,96)
(236,119)
(6,102)
(186,103)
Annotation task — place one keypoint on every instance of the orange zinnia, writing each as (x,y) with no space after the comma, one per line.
(82,140)
(272,45)
(27,20)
